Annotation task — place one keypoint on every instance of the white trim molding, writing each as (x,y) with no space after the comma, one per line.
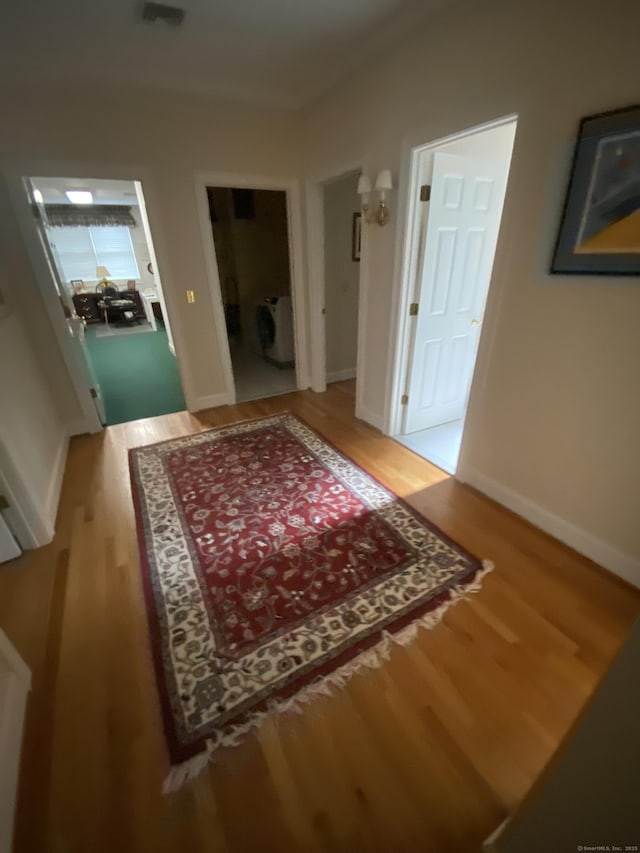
(406,258)
(291,187)
(314,191)
(15,684)
(315,278)
(341,375)
(605,555)
(15,173)
(32,518)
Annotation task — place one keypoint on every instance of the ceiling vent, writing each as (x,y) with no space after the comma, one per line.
(154,13)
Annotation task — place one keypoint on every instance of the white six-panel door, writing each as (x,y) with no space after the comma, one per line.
(453,278)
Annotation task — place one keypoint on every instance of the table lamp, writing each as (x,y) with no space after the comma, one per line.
(102,273)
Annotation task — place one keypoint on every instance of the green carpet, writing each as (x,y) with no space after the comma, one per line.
(137,374)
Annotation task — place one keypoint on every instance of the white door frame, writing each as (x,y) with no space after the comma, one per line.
(25,520)
(291,187)
(14,175)
(315,187)
(407,248)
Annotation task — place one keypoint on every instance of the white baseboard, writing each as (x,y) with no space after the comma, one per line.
(15,683)
(621,564)
(210,402)
(370,417)
(341,375)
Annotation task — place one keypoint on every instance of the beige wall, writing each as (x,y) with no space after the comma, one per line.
(555,411)
(171,137)
(341,275)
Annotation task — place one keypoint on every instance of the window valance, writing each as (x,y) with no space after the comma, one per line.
(65,215)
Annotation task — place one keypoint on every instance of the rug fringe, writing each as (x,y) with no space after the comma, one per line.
(372,658)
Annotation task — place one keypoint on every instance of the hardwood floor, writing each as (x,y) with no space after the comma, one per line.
(428,753)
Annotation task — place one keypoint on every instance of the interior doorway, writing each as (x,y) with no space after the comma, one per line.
(458,188)
(250,231)
(97,242)
(341,264)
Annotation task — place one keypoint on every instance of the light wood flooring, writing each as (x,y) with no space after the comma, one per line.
(428,753)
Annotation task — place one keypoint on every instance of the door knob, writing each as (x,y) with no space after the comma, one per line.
(475,322)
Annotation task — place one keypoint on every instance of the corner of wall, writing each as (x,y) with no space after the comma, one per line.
(623,565)
(372,418)
(211,401)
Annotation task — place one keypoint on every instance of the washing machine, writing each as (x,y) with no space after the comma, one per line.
(274,327)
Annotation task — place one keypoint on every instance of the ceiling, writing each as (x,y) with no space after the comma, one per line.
(281,52)
(104,191)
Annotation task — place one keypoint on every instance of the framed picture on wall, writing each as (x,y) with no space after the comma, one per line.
(600,228)
(356,236)
(77,284)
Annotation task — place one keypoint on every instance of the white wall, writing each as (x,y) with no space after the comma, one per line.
(33,438)
(494,145)
(341,273)
(554,415)
(170,137)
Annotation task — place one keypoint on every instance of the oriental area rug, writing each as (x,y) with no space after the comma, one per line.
(273,569)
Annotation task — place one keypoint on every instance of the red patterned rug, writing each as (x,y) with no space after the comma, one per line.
(274,567)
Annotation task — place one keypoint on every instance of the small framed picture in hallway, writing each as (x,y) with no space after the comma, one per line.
(356,236)
(600,229)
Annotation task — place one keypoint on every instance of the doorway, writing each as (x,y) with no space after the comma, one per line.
(459,186)
(96,238)
(250,232)
(341,256)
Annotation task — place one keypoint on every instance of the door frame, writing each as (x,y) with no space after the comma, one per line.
(291,188)
(14,176)
(407,258)
(315,188)
(24,518)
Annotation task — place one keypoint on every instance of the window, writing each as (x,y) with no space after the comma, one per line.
(79,251)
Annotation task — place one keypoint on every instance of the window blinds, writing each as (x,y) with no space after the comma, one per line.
(79,251)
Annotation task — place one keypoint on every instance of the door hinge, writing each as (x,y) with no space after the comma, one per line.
(413,309)
(93,393)
(4,503)
(404,399)
(425,192)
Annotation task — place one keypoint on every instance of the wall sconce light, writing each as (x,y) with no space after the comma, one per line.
(383,184)
(364,191)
